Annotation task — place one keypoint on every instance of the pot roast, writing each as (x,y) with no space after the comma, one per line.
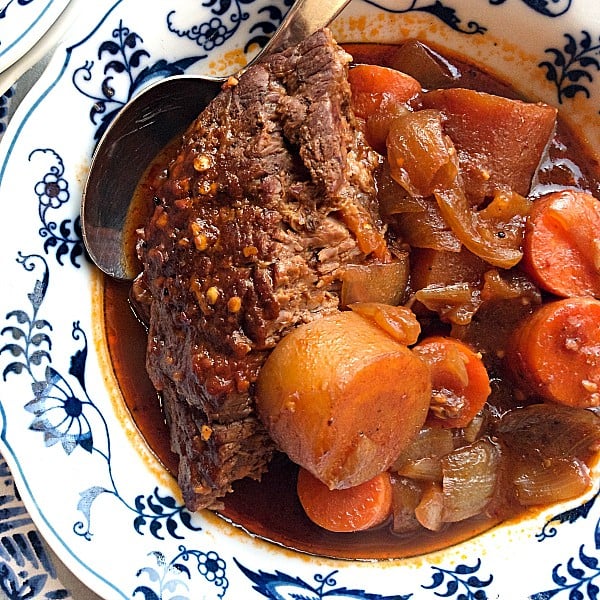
(269,196)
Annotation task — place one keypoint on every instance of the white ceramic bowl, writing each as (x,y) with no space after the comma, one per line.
(95,490)
(22,24)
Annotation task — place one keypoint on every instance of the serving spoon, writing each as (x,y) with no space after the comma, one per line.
(144,127)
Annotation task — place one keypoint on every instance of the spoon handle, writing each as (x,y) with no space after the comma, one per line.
(302,20)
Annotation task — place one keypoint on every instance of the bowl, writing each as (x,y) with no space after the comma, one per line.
(93,484)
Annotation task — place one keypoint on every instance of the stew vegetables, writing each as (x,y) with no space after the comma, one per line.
(460,381)
(389,410)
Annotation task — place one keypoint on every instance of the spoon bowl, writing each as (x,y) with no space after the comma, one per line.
(147,124)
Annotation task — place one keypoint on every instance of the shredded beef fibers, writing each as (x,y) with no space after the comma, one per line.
(269,195)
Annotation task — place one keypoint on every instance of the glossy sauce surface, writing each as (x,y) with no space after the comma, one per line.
(270,509)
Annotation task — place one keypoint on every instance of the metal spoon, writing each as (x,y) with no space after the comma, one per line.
(147,123)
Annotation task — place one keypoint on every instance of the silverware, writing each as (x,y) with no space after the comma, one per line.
(147,123)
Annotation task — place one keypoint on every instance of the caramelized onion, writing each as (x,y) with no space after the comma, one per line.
(422,459)
(392,198)
(379,122)
(422,159)
(416,220)
(456,303)
(548,431)
(553,481)
(495,233)
(428,468)
(475,428)
(430,441)
(470,474)
(509,286)
(397,321)
(431,507)
(406,496)
(376,282)
(547,446)
(426,228)
(433,267)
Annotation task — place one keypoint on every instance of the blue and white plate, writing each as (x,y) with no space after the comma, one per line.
(94,489)
(22,24)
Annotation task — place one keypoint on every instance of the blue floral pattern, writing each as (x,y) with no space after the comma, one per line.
(548,8)
(461,583)
(269,584)
(16,3)
(573,66)
(26,570)
(578,579)
(224,22)
(52,192)
(570,516)
(62,409)
(123,72)
(174,575)
(64,413)
(126,67)
(440,10)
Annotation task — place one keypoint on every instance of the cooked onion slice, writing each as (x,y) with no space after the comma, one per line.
(431,507)
(428,468)
(455,303)
(406,497)
(548,446)
(397,321)
(551,482)
(548,431)
(376,282)
(422,159)
(470,474)
(426,228)
(495,233)
(421,461)
(430,442)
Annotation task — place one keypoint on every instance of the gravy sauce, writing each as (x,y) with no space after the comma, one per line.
(270,508)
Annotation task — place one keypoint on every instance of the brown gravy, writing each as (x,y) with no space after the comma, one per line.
(270,509)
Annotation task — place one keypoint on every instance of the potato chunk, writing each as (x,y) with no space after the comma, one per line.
(343,398)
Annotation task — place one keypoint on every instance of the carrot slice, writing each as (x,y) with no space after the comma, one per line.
(460,383)
(555,353)
(561,249)
(351,509)
(374,86)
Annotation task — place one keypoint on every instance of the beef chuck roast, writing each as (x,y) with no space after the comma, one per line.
(269,195)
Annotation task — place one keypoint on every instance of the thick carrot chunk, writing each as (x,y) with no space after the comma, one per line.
(499,141)
(555,353)
(562,244)
(375,87)
(352,509)
(342,396)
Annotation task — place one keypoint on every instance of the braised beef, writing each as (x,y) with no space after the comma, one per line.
(269,195)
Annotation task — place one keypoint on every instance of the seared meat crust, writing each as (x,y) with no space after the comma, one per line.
(269,195)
